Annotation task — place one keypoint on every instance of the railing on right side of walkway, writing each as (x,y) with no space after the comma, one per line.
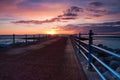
(87,50)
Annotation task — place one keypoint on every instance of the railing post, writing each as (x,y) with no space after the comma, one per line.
(33,38)
(79,35)
(26,39)
(90,50)
(79,42)
(13,39)
(39,37)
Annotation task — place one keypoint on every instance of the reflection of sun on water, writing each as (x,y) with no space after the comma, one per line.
(51,32)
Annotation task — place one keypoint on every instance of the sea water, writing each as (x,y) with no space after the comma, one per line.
(7,40)
(111,41)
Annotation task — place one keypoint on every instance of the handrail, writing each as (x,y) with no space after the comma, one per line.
(109,52)
(84,54)
(84,49)
(103,77)
(88,53)
(25,39)
(105,65)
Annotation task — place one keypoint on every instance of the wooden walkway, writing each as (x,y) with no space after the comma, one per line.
(53,60)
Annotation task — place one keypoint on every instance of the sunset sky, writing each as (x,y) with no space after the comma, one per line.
(61,16)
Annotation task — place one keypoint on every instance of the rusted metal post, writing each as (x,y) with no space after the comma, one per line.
(90,50)
(13,39)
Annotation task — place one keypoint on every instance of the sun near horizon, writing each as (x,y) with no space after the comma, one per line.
(52,32)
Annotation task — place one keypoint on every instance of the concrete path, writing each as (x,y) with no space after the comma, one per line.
(51,60)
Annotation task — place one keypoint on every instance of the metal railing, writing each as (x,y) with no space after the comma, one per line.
(27,38)
(88,51)
(15,40)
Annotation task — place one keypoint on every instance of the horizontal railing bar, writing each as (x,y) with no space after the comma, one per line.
(84,42)
(76,39)
(76,44)
(101,75)
(73,42)
(84,49)
(105,65)
(109,52)
(81,51)
(84,55)
(82,46)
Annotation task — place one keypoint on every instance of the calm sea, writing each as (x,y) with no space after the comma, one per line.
(111,41)
(7,40)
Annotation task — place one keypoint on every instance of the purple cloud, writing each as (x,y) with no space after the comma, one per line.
(96,4)
(97,11)
(69,14)
(72,11)
(98,28)
(110,7)
(68,18)
(36,21)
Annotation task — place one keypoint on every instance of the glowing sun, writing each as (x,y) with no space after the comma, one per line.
(51,32)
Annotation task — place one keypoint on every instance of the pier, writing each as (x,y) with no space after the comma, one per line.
(59,58)
(50,60)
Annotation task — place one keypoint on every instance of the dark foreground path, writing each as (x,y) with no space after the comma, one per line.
(51,62)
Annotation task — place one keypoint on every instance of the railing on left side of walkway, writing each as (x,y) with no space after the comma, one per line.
(7,41)
(29,38)
(86,49)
